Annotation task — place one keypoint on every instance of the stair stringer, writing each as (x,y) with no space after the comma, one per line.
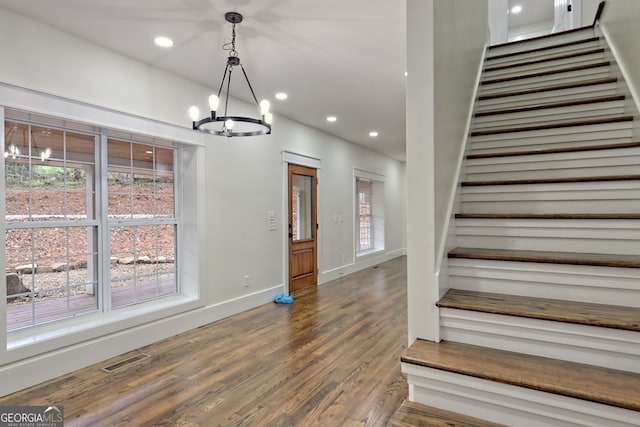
(448,241)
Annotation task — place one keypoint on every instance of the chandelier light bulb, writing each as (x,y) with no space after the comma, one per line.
(194,113)
(214,101)
(268,118)
(228,124)
(264,107)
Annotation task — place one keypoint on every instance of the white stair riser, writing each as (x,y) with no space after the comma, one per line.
(545,98)
(554,137)
(507,404)
(549,115)
(583,197)
(524,53)
(591,284)
(539,43)
(545,81)
(588,141)
(605,347)
(612,162)
(620,237)
(525,56)
(543,66)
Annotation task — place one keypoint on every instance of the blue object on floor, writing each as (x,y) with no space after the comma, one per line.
(283,299)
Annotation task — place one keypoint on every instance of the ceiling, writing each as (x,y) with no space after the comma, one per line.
(332,57)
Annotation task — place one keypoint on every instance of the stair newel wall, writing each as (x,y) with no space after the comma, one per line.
(444,41)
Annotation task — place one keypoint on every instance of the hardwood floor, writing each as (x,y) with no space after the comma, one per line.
(332,358)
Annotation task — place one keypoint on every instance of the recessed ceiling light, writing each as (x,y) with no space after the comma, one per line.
(163,41)
(516,9)
(281,96)
(332,118)
(373,134)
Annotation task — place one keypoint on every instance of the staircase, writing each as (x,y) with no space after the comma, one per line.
(541,322)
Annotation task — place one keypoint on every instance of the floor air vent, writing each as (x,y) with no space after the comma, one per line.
(126,362)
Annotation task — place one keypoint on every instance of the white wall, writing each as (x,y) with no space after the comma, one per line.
(588,11)
(619,24)
(242,182)
(529,31)
(498,21)
(445,44)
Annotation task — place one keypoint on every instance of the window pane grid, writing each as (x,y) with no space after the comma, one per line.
(142,223)
(369,226)
(50,229)
(365,231)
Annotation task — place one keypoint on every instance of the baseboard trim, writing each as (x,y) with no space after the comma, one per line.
(361,264)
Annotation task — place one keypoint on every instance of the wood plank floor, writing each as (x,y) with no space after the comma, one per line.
(329,359)
(413,414)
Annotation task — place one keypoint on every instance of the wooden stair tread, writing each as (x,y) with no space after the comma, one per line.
(541,49)
(544,36)
(580,313)
(552,180)
(572,85)
(589,122)
(550,257)
(591,383)
(546,73)
(555,150)
(546,216)
(574,103)
(412,414)
(545,59)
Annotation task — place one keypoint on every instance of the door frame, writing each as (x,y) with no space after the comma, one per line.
(290,157)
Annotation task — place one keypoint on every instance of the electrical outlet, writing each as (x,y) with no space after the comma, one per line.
(246,280)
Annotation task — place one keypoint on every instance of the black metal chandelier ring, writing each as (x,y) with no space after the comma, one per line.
(200,125)
(226,122)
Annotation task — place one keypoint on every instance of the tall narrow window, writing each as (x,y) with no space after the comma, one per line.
(51,229)
(365,215)
(142,222)
(369,214)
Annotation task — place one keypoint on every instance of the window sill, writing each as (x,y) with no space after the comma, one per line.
(29,342)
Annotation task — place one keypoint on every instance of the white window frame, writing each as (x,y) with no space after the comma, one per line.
(377,213)
(20,344)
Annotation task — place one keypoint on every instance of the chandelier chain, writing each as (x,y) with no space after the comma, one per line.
(231,47)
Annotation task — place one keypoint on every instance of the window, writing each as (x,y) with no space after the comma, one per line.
(365,215)
(85,232)
(141,221)
(369,213)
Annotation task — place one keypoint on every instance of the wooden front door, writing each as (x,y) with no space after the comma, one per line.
(303,228)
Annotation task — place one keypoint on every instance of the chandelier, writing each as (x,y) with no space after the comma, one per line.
(225,124)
